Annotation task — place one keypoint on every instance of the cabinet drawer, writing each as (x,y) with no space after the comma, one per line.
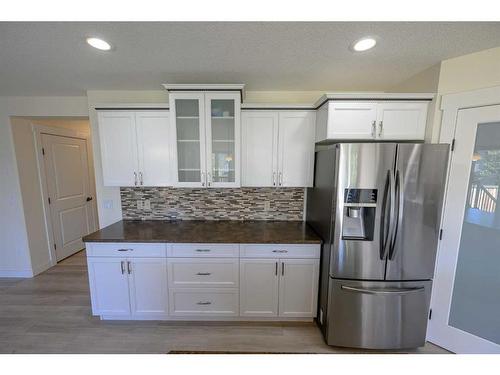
(128,250)
(205,302)
(194,250)
(279,251)
(195,272)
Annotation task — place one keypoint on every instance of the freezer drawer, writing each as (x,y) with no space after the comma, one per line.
(378,314)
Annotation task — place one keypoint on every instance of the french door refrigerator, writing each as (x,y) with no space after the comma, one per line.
(377,207)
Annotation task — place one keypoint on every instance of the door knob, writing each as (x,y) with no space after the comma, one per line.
(89,199)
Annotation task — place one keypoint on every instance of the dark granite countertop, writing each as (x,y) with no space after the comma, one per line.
(291,232)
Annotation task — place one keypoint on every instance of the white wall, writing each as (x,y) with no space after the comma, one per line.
(469,72)
(15,260)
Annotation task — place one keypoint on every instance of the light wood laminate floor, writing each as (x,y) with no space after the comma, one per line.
(50,313)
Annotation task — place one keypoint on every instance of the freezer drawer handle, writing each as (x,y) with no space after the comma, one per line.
(280,251)
(385,291)
(204,273)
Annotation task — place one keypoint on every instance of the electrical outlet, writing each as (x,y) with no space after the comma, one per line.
(147,204)
(267,205)
(140,204)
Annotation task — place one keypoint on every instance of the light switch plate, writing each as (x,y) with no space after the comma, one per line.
(140,204)
(147,204)
(267,205)
(108,204)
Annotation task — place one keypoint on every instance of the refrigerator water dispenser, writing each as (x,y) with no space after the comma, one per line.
(359,214)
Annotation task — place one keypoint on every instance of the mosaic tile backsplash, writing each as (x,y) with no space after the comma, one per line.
(213,204)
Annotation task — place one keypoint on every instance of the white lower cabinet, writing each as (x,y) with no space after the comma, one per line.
(203,281)
(109,286)
(148,287)
(128,287)
(298,287)
(279,287)
(259,287)
(204,302)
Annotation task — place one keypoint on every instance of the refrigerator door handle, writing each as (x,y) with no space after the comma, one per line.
(386,291)
(400,196)
(386,233)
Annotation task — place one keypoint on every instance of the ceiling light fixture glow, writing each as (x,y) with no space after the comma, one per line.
(364,44)
(99,44)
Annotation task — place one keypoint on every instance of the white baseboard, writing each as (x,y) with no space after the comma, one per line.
(16,273)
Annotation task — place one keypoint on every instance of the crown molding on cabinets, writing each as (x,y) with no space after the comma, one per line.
(373,96)
(131,106)
(276,106)
(239,87)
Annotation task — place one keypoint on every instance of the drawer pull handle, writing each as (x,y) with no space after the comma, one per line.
(204,303)
(203,250)
(125,249)
(280,251)
(204,273)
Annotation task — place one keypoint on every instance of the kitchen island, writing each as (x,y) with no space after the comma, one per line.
(204,270)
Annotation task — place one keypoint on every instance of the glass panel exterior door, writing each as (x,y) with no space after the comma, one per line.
(190,139)
(465,302)
(475,303)
(223,139)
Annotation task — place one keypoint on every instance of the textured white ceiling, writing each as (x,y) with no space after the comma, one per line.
(53,58)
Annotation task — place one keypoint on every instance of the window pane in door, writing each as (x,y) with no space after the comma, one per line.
(188,139)
(223,138)
(475,306)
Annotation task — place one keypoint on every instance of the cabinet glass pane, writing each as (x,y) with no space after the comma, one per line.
(223,147)
(188,139)
(475,306)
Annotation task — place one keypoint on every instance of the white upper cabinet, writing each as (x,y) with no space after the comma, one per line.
(401,120)
(135,148)
(118,148)
(296,148)
(207,138)
(153,141)
(259,148)
(371,120)
(351,120)
(278,148)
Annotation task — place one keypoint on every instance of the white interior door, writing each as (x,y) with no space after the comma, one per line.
(68,185)
(466,301)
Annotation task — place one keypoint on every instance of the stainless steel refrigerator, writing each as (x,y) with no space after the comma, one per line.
(377,207)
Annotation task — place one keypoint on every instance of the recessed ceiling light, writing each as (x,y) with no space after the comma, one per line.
(364,44)
(99,44)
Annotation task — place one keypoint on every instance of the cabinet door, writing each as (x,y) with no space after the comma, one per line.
(153,139)
(148,286)
(108,286)
(298,287)
(259,287)
(118,143)
(351,120)
(222,118)
(296,148)
(188,131)
(401,121)
(259,148)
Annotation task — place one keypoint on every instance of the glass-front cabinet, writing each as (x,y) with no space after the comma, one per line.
(207,141)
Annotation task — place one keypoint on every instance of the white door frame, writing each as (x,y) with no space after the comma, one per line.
(38,130)
(451,104)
